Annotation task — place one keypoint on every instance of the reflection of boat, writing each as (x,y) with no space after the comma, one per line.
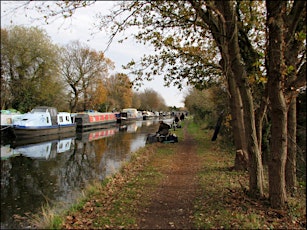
(7,152)
(93,120)
(64,145)
(42,150)
(38,151)
(96,134)
(139,124)
(148,122)
(43,121)
(130,127)
(128,114)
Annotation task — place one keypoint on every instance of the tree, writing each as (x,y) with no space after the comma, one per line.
(295,54)
(216,102)
(6,97)
(119,91)
(82,68)
(282,92)
(29,69)
(194,102)
(151,100)
(98,96)
(136,100)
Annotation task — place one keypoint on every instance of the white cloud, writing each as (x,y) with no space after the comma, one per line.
(79,27)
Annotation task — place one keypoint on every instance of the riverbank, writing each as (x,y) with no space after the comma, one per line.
(188,184)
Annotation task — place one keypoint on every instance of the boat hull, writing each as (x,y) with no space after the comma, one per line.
(30,132)
(35,140)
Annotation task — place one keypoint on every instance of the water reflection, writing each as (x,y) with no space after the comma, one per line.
(55,171)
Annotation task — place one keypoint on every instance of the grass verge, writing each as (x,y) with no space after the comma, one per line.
(224,205)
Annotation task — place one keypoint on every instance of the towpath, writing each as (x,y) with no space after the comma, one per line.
(172,203)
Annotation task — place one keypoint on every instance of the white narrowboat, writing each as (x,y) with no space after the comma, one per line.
(42,121)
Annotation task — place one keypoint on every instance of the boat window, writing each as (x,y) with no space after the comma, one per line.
(47,119)
(67,118)
(61,119)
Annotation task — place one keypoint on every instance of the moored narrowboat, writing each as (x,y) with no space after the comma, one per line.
(42,121)
(128,114)
(93,120)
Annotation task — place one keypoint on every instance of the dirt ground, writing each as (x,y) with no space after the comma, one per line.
(172,203)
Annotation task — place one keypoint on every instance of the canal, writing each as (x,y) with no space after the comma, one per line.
(54,172)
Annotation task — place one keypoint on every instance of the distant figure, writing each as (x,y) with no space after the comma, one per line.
(176,123)
(176,119)
(218,126)
(182,117)
(163,128)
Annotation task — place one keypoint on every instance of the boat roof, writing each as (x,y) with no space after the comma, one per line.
(129,109)
(52,110)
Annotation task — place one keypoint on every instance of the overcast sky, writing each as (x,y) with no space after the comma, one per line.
(80,28)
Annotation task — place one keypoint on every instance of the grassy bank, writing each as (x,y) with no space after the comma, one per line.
(223,204)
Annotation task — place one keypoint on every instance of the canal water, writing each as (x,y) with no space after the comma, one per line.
(53,172)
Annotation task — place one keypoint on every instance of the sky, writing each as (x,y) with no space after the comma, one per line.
(79,27)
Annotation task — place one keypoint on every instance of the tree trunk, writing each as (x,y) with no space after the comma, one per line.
(278,148)
(260,114)
(275,66)
(237,123)
(256,176)
(233,68)
(291,181)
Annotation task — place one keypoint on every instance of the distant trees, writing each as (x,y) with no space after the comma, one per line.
(206,104)
(151,100)
(83,70)
(119,91)
(29,69)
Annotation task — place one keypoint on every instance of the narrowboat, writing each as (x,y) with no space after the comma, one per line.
(86,121)
(42,121)
(148,115)
(128,114)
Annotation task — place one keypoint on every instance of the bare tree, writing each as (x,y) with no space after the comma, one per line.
(81,69)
